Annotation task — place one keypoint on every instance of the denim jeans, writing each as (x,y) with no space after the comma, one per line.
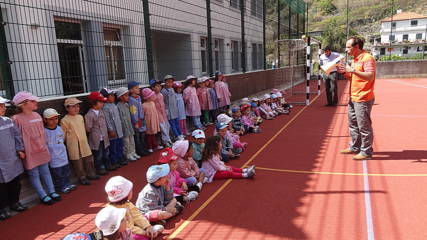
(116,150)
(196,122)
(61,177)
(102,160)
(175,127)
(38,172)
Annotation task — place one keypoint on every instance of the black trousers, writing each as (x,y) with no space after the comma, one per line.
(331,88)
(9,192)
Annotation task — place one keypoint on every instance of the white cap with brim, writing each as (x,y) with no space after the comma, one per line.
(109,219)
(50,113)
(224,118)
(121,91)
(190,77)
(198,134)
(3,100)
(156,172)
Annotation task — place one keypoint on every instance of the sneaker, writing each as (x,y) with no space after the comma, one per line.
(55,196)
(18,207)
(84,181)
(205,180)
(347,151)
(193,195)
(72,187)
(251,168)
(361,156)
(250,174)
(136,156)
(179,207)
(150,150)
(132,158)
(47,200)
(158,148)
(66,190)
(158,229)
(199,185)
(4,214)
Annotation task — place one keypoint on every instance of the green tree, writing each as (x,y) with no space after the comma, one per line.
(335,34)
(326,7)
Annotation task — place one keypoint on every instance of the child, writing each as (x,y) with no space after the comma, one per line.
(265,109)
(182,118)
(248,121)
(232,137)
(203,95)
(11,152)
(180,188)
(125,118)
(227,150)
(171,106)
(59,167)
(238,125)
(275,105)
(255,113)
(215,168)
(112,223)
(192,105)
(223,92)
(77,143)
(96,127)
(160,107)
(37,154)
(187,167)
(137,118)
(282,102)
(268,102)
(198,145)
(151,118)
(213,102)
(115,129)
(156,199)
(119,191)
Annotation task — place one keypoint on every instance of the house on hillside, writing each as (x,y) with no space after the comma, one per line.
(403,34)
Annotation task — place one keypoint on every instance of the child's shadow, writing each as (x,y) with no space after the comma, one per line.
(419,156)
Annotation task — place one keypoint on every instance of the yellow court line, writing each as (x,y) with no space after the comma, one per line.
(213,196)
(345,174)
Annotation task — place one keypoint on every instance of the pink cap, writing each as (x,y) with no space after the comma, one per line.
(20,97)
(147,93)
(180,147)
(177,84)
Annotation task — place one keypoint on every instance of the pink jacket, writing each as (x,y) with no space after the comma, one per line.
(175,182)
(187,168)
(247,121)
(160,107)
(223,93)
(212,165)
(192,105)
(203,95)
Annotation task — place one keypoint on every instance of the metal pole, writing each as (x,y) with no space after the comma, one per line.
(290,32)
(5,61)
(319,77)
(209,25)
(242,16)
(148,40)
(307,90)
(391,28)
(264,22)
(278,33)
(348,28)
(425,41)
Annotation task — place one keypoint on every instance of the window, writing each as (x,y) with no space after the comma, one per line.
(393,25)
(254,56)
(260,56)
(391,37)
(414,23)
(256,8)
(419,36)
(235,3)
(405,50)
(419,48)
(405,37)
(235,56)
(203,52)
(216,63)
(114,56)
(382,51)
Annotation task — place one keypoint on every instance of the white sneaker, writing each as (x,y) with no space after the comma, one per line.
(158,148)
(136,156)
(192,195)
(132,158)
(150,150)
(205,180)
(199,185)
(158,229)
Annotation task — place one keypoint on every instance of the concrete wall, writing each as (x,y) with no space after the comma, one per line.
(402,69)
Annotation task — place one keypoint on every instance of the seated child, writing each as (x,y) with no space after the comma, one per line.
(227,150)
(248,121)
(215,168)
(275,106)
(112,223)
(198,145)
(255,113)
(266,111)
(156,199)
(176,182)
(238,146)
(282,102)
(58,164)
(237,125)
(187,167)
(119,191)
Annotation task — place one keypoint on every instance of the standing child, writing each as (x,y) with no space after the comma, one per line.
(160,107)
(37,155)
(198,145)
(78,148)
(151,118)
(180,188)
(192,105)
(182,118)
(128,131)
(96,127)
(11,152)
(215,168)
(187,167)
(203,95)
(223,92)
(171,106)
(114,126)
(137,117)
(156,199)
(213,103)
(59,166)
(119,191)
(112,223)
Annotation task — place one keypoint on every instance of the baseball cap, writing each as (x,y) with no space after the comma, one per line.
(105,92)
(224,118)
(109,219)
(177,84)
(168,77)
(235,109)
(96,96)
(155,172)
(190,77)
(132,84)
(20,97)
(71,102)
(118,188)
(121,91)
(3,100)
(198,134)
(50,112)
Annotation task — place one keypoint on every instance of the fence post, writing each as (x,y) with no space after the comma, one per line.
(278,34)
(209,25)
(308,62)
(319,76)
(5,62)
(148,40)
(263,34)
(242,16)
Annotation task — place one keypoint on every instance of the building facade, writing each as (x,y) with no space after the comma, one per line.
(59,48)
(403,35)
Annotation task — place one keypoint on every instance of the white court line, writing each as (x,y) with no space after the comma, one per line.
(408,84)
(368,206)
